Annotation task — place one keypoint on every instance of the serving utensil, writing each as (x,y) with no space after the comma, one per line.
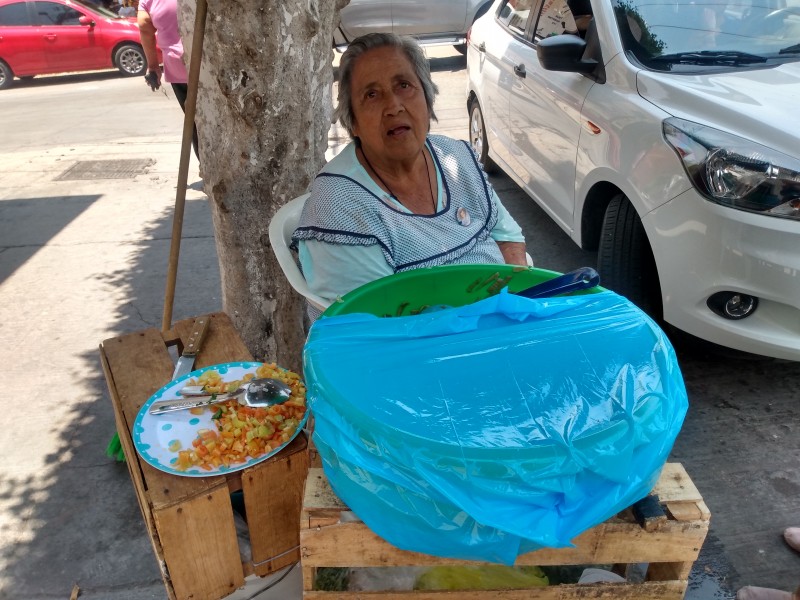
(257,393)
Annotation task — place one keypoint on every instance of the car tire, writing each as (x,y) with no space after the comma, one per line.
(625,259)
(477,137)
(130,60)
(6,76)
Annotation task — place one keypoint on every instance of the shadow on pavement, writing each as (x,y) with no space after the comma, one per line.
(47,80)
(81,489)
(50,215)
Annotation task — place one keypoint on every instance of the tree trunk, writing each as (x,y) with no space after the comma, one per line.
(263,113)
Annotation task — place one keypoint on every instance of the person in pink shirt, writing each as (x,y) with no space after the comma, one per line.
(161,17)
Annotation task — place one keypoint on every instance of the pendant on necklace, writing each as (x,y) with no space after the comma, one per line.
(462,216)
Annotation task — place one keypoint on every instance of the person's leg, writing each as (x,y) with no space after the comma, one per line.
(181,91)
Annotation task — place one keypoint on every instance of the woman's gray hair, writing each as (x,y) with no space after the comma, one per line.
(362,45)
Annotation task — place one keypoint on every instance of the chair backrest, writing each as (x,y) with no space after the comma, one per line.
(281,228)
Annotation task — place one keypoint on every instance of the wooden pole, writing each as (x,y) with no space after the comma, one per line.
(183,169)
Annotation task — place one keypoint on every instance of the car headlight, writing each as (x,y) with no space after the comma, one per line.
(736,172)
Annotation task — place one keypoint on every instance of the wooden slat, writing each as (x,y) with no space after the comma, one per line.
(606,543)
(201,549)
(664,590)
(272,496)
(674,485)
(318,493)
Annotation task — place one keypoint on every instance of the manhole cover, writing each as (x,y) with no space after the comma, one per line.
(106,169)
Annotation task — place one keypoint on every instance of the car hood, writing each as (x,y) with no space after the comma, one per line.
(754,103)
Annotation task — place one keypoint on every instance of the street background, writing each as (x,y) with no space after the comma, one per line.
(83,257)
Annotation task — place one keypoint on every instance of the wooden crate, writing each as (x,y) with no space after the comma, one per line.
(669,539)
(190,520)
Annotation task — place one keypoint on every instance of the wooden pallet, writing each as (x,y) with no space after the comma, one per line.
(667,534)
(190,520)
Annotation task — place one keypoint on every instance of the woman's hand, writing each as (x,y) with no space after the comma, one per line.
(513,253)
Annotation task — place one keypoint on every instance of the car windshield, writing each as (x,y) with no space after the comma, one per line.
(687,35)
(97,8)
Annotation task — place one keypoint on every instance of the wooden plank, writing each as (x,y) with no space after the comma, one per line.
(272,495)
(674,485)
(685,511)
(604,544)
(318,493)
(200,546)
(309,576)
(664,590)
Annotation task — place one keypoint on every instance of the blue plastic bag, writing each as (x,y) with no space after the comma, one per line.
(493,429)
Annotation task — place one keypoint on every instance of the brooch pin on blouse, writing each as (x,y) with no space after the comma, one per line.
(462,216)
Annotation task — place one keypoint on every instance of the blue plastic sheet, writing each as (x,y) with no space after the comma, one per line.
(493,429)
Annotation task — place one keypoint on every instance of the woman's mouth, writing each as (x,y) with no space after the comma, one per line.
(398,130)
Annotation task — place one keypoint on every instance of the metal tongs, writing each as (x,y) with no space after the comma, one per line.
(258,393)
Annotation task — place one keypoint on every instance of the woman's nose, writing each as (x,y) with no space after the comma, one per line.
(393,104)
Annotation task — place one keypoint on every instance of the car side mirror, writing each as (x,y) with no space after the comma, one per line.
(564,53)
(84,20)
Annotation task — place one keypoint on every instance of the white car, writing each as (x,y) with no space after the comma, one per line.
(666,135)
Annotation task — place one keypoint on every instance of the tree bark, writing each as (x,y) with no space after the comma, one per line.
(263,113)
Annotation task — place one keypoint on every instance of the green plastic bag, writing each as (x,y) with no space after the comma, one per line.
(484,577)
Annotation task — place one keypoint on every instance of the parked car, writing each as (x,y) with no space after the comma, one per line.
(41,37)
(436,22)
(665,135)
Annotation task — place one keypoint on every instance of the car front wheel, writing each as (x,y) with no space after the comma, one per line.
(6,76)
(130,59)
(477,137)
(625,259)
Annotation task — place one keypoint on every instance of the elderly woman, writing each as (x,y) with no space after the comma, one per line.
(397,198)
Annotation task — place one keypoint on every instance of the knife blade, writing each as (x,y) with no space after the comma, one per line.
(185,363)
(192,347)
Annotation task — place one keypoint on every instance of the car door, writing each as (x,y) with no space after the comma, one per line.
(69,46)
(20,44)
(423,17)
(491,40)
(544,116)
(366,16)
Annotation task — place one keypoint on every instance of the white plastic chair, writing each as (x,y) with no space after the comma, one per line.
(281,228)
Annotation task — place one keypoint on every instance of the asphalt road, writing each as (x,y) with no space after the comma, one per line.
(740,442)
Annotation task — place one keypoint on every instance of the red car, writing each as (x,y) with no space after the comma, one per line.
(39,37)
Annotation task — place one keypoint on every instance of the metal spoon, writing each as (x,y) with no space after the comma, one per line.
(258,393)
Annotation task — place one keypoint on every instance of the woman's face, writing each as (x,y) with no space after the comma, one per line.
(391,116)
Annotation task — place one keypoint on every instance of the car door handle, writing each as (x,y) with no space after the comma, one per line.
(50,36)
(519,70)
